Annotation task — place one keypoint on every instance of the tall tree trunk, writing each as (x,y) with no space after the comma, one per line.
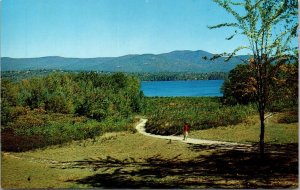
(262,132)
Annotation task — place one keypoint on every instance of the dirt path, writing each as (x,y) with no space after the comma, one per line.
(140,127)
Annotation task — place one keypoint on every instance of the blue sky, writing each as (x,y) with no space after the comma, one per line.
(99,28)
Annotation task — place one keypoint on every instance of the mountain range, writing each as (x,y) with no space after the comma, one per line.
(175,61)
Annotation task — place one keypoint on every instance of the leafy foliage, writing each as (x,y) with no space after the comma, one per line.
(88,94)
(284,88)
(241,87)
(144,76)
(29,107)
(35,129)
(171,76)
(270,26)
(166,116)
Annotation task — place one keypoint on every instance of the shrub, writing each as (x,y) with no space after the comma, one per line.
(167,115)
(39,129)
(290,117)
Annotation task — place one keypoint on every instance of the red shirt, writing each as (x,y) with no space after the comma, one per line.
(186,128)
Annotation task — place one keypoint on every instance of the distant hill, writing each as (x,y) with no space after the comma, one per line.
(175,61)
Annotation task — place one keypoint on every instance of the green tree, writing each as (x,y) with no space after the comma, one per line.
(240,86)
(32,93)
(269,26)
(9,95)
(119,80)
(284,88)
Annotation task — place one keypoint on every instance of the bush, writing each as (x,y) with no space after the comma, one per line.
(37,130)
(290,117)
(41,108)
(166,116)
(90,94)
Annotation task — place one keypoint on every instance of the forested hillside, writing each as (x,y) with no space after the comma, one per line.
(160,76)
(176,61)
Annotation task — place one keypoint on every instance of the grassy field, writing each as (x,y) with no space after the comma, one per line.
(61,167)
(249,131)
(121,158)
(131,160)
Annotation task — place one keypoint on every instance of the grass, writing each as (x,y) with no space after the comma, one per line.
(249,131)
(15,172)
(41,164)
(131,160)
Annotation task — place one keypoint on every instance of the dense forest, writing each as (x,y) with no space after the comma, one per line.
(169,76)
(175,61)
(144,76)
(61,107)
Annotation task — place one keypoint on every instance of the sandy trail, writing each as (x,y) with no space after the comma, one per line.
(140,127)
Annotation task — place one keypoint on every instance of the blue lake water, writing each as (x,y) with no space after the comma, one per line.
(182,88)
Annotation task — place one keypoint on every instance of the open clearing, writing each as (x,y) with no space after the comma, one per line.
(133,160)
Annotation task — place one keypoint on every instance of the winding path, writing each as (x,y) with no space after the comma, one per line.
(140,127)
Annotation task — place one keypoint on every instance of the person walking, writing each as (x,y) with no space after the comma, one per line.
(186,129)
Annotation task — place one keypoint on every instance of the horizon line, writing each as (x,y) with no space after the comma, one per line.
(109,56)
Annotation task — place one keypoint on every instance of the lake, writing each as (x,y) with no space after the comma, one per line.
(182,88)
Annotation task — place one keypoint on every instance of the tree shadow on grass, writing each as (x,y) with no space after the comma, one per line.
(223,168)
